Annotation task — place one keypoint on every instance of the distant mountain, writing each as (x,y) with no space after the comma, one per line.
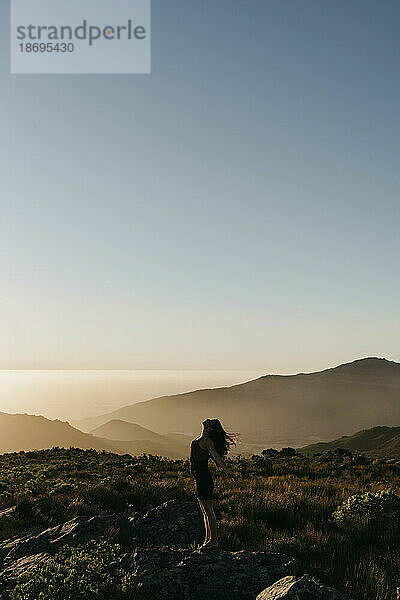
(122,433)
(280,409)
(30,432)
(123,430)
(377,442)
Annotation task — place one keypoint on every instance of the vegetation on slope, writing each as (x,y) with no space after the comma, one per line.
(83,573)
(376,442)
(281,505)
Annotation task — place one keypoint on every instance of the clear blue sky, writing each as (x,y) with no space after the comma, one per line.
(236,209)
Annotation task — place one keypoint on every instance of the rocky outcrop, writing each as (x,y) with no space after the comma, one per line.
(21,554)
(299,588)
(174,524)
(168,574)
(158,548)
(7,512)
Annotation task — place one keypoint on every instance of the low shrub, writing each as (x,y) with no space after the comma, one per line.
(372,508)
(88,572)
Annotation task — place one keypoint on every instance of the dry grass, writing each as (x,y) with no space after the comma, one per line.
(287,509)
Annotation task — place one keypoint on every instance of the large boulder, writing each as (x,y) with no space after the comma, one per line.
(175,523)
(168,574)
(21,554)
(299,588)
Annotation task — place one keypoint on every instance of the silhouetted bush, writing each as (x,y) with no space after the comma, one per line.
(270,452)
(287,452)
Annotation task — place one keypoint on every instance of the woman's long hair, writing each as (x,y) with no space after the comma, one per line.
(222,440)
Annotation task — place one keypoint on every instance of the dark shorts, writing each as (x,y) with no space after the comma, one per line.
(204,486)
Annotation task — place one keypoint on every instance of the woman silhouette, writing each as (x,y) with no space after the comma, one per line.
(213,443)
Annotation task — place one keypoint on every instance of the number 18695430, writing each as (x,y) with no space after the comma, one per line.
(43,47)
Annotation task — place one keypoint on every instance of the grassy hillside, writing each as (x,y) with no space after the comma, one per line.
(377,442)
(284,506)
(280,410)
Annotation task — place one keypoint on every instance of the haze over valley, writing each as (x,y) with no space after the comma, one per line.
(280,410)
(76,394)
(269,411)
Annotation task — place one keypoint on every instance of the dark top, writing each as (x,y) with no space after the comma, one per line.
(198,458)
(199,468)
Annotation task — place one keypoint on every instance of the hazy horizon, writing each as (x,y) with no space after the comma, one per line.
(76,394)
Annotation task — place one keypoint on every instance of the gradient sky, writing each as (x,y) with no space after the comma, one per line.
(236,209)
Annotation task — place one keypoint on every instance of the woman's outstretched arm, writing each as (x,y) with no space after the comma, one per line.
(217,457)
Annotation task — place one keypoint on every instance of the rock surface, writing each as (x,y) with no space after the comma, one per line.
(213,574)
(21,554)
(7,512)
(299,588)
(174,524)
(164,560)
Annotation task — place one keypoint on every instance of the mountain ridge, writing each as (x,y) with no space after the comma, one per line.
(287,409)
(350,365)
(376,442)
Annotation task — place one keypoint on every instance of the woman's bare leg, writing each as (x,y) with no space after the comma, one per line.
(206,522)
(212,523)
